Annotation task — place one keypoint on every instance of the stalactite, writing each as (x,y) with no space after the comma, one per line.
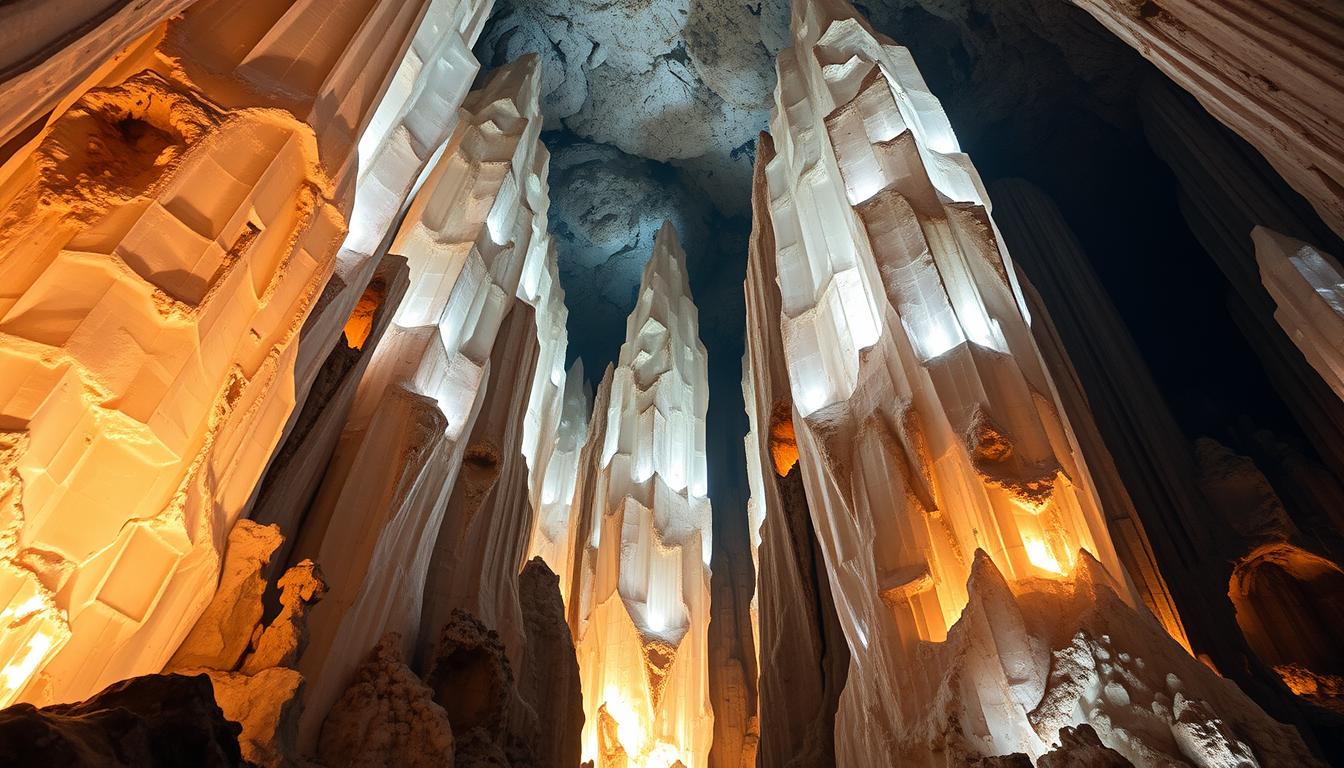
(973,571)
(644,607)
(801,650)
(1267,70)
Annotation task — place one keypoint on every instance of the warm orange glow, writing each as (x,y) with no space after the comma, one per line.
(360,324)
(783,441)
(1040,555)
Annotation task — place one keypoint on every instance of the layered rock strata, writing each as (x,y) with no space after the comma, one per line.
(1267,70)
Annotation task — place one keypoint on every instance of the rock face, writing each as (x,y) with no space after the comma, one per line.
(156,721)
(642,608)
(199,205)
(549,679)
(387,717)
(224,630)
(1308,286)
(1226,190)
(1278,96)
(679,81)
(1106,390)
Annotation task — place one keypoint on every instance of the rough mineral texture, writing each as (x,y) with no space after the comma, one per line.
(981,597)
(1280,91)
(801,651)
(1308,286)
(282,642)
(224,630)
(549,679)
(156,721)
(387,717)
(266,704)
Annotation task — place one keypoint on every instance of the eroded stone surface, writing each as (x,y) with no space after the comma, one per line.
(387,717)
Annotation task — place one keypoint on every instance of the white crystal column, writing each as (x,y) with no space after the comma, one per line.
(554,482)
(475,239)
(972,571)
(1308,287)
(643,619)
(164,244)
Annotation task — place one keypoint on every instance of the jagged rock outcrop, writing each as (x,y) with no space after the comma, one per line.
(223,632)
(281,643)
(549,679)
(155,721)
(471,678)
(1279,90)
(387,717)
(801,651)
(266,704)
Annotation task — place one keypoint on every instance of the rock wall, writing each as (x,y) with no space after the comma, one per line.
(189,214)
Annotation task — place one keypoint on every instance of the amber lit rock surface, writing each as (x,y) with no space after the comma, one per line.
(981,597)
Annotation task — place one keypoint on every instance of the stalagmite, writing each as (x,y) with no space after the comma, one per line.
(555,483)
(801,651)
(1270,71)
(644,610)
(475,239)
(1194,536)
(982,601)
(416,112)
(1308,286)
